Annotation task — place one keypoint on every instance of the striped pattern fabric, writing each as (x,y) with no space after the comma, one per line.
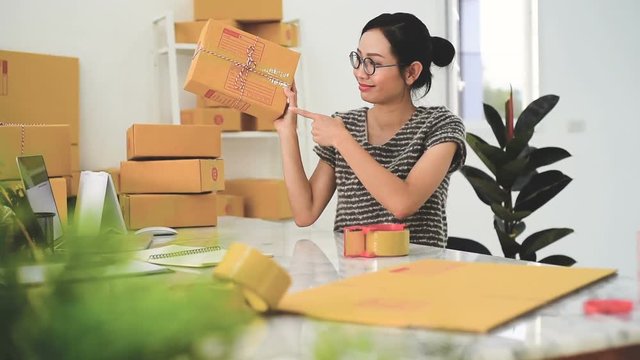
(427,127)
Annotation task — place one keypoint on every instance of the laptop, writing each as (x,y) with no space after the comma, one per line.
(38,190)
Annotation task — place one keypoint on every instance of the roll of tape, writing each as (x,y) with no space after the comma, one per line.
(376,240)
(262,281)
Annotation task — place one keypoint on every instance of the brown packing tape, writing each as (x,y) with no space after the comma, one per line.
(262,281)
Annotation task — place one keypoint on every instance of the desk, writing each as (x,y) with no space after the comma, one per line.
(559,330)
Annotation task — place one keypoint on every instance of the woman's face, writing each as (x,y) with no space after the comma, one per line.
(386,84)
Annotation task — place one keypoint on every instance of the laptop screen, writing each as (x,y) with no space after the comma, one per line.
(38,189)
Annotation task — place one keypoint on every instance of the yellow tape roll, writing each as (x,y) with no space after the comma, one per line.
(262,281)
(388,243)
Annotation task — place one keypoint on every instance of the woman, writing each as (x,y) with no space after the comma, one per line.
(390,163)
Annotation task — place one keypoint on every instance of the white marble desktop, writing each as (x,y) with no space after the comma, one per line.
(315,257)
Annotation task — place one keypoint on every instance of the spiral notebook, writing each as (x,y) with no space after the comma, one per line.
(179,255)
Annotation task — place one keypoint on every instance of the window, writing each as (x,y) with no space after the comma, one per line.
(497,50)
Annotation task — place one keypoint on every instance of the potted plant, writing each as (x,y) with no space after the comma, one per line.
(518,187)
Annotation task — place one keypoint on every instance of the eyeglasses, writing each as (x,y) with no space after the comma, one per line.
(368,64)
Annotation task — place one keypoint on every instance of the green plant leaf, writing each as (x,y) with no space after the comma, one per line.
(493,157)
(506,215)
(561,260)
(542,239)
(484,185)
(519,228)
(528,257)
(509,245)
(546,156)
(540,189)
(508,173)
(533,114)
(518,145)
(495,121)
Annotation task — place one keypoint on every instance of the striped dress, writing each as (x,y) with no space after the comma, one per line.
(427,127)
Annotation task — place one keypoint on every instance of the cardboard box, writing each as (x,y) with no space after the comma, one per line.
(75,157)
(263,198)
(252,123)
(59,190)
(73,182)
(228,119)
(174,210)
(203,102)
(115,176)
(230,205)
(240,10)
(50,141)
(217,71)
(148,141)
(189,31)
(281,33)
(40,89)
(171,176)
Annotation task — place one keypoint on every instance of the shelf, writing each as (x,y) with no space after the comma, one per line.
(250,135)
(179,47)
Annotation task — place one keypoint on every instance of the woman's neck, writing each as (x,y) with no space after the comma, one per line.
(384,116)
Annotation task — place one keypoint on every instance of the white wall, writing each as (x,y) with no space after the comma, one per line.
(589,51)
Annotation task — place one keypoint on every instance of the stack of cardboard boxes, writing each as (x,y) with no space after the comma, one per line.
(172,175)
(238,72)
(261,18)
(39,114)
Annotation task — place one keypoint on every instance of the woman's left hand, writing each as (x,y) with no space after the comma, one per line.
(326,130)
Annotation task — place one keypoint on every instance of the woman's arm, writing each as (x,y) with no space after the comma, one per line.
(400,197)
(307,197)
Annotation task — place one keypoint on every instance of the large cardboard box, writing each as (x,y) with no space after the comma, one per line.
(149,141)
(263,198)
(174,210)
(230,205)
(228,119)
(171,176)
(242,71)
(240,10)
(189,31)
(281,33)
(40,89)
(50,141)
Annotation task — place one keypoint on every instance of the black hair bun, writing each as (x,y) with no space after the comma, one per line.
(443,51)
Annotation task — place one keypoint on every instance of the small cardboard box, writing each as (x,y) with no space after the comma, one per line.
(240,10)
(189,31)
(230,205)
(59,188)
(40,89)
(281,33)
(203,102)
(149,141)
(263,198)
(50,141)
(241,71)
(228,119)
(171,176)
(115,176)
(252,123)
(73,182)
(174,210)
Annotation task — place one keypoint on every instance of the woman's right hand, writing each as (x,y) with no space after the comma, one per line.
(288,121)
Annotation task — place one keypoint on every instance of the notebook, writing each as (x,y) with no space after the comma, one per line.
(179,255)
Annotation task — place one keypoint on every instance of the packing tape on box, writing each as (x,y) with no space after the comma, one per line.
(22,133)
(262,281)
(376,240)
